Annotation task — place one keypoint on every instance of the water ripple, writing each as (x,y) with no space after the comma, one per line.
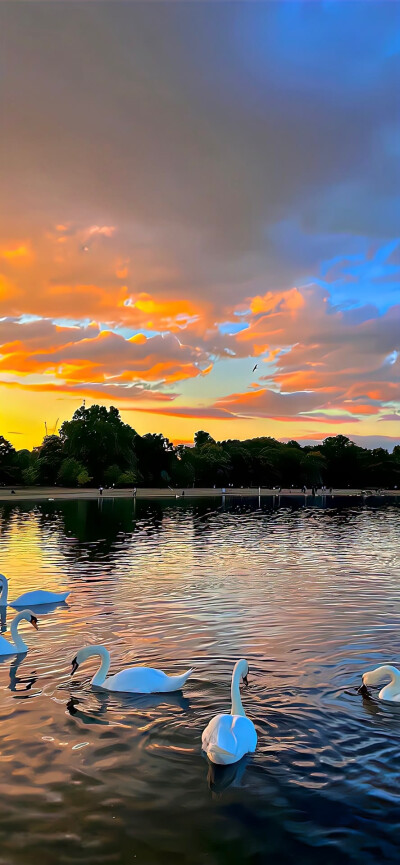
(310,597)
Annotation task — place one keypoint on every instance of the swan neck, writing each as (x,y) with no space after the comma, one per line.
(15,636)
(237,708)
(100,677)
(393,687)
(4,590)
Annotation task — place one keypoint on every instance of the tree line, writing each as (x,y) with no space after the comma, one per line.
(97,448)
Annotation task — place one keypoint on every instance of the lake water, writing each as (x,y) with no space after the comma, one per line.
(311,597)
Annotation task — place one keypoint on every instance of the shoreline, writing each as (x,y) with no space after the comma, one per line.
(65,493)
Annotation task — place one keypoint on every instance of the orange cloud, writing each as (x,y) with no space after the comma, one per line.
(21,251)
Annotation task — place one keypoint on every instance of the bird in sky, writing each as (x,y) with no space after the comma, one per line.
(255,367)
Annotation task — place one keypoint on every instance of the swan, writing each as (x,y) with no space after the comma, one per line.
(30,599)
(227,738)
(7,648)
(390,691)
(133,680)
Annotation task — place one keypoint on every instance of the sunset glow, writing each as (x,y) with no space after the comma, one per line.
(171,223)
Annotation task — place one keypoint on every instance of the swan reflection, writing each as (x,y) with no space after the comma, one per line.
(219,778)
(101,703)
(43,609)
(20,683)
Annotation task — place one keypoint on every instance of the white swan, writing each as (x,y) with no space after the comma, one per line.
(390,691)
(227,738)
(133,680)
(30,599)
(7,648)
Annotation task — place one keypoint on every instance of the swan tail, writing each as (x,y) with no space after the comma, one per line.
(177,682)
(221,746)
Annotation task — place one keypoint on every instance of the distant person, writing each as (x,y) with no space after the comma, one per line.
(134,492)
(183,492)
(101,491)
(13,492)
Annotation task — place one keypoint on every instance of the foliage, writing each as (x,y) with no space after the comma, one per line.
(9,469)
(49,458)
(97,446)
(98,438)
(72,472)
(30,475)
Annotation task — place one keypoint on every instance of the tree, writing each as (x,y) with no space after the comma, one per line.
(98,438)
(97,445)
(156,455)
(83,478)
(9,469)
(313,466)
(72,473)
(50,457)
(30,475)
(201,438)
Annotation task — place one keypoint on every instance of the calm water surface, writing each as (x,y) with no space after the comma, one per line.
(310,597)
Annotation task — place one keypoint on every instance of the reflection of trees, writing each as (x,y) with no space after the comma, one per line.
(98,528)
(7,513)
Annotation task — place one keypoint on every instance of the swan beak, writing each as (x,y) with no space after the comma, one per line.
(34,623)
(246,681)
(75,666)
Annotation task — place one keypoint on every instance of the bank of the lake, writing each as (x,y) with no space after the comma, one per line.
(40,493)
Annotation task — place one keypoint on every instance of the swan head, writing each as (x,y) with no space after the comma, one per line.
(374,677)
(30,617)
(86,653)
(79,657)
(243,670)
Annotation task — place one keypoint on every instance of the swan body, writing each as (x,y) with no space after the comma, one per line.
(18,645)
(133,680)
(30,599)
(227,738)
(390,691)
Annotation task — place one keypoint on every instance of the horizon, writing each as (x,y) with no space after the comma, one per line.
(192,191)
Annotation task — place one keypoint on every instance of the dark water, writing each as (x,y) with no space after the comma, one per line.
(310,597)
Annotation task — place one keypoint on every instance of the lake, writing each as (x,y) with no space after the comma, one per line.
(310,596)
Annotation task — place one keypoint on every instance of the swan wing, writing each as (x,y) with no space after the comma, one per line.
(227,738)
(245,733)
(137,680)
(218,740)
(37,597)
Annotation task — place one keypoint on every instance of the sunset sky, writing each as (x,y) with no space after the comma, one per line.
(190,189)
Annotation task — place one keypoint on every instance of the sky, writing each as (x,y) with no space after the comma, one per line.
(193,190)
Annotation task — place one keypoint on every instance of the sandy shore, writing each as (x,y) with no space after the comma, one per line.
(46,493)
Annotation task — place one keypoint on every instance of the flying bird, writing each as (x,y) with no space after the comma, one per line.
(255,367)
